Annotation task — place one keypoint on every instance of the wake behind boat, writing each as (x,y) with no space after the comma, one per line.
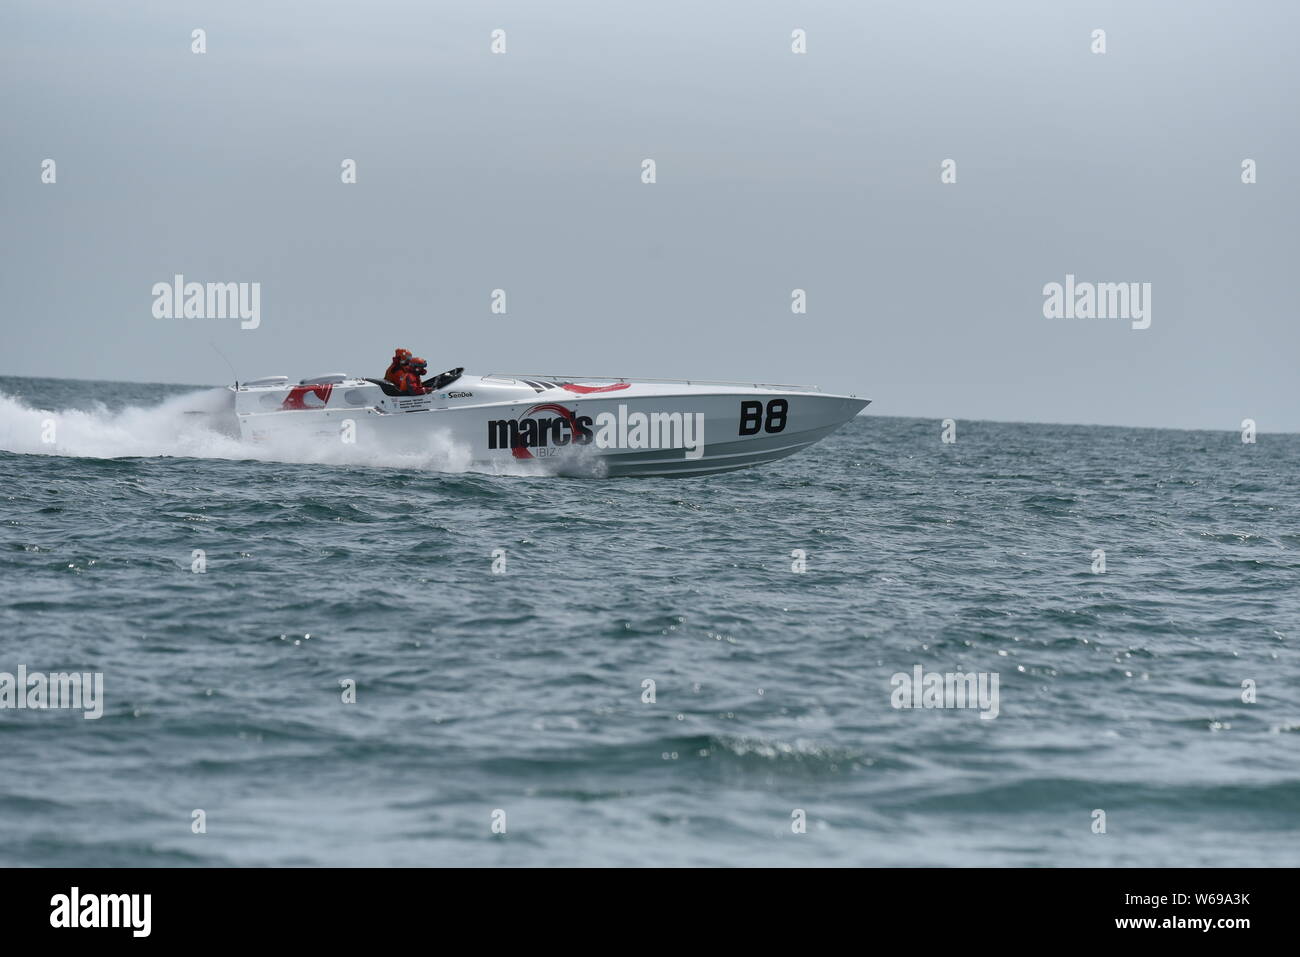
(585,425)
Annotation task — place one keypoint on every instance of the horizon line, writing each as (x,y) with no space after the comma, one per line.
(865,413)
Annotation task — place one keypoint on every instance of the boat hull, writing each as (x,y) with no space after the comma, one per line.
(524,424)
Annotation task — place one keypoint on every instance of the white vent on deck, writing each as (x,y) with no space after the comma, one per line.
(330,378)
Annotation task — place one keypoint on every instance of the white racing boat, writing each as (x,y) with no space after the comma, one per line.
(566,424)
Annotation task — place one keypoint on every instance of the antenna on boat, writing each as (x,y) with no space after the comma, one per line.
(226,361)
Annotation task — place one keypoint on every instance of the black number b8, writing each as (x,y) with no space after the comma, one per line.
(752,419)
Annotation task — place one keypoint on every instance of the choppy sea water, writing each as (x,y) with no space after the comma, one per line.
(522,692)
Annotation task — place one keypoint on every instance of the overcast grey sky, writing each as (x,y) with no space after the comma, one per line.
(775,171)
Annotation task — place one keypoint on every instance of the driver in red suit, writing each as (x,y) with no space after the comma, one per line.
(409,378)
(400,358)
